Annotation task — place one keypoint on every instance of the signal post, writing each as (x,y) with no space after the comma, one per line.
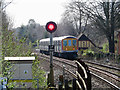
(51,27)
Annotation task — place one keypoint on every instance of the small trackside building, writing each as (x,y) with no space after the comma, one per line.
(84,42)
(22,70)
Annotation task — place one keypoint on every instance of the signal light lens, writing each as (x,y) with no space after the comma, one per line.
(51,26)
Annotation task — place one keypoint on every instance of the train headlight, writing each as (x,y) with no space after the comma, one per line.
(73,48)
(66,49)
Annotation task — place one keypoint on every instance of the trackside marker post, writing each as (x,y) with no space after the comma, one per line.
(51,27)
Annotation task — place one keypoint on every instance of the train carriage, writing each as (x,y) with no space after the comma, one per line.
(65,46)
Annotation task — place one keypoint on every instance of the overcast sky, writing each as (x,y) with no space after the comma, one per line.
(41,11)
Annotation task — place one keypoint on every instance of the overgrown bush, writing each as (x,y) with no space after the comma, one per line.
(11,47)
(99,55)
(105,48)
(88,53)
(38,74)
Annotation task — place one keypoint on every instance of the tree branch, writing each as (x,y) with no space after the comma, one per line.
(7,5)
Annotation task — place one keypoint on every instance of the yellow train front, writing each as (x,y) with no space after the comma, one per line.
(69,47)
(65,46)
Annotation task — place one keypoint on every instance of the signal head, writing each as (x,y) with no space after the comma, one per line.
(51,26)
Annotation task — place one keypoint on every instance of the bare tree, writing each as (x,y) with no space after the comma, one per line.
(106,18)
(5,4)
(75,15)
(64,28)
(105,15)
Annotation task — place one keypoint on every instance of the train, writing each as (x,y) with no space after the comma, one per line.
(64,46)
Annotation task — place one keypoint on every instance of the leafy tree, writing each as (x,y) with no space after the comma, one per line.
(22,32)
(32,31)
(12,47)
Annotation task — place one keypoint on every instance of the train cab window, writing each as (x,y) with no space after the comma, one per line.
(65,42)
(74,42)
(69,42)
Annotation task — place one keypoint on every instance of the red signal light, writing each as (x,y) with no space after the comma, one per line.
(51,27)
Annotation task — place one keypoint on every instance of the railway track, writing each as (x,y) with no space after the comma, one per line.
(103,74)
(110,69)
(109,73)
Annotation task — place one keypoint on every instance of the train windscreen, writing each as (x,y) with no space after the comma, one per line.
(74,42)
(69,42)
(65,42)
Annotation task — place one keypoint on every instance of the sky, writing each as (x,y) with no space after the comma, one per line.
(42,11)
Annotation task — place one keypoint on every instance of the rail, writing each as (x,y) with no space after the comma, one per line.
(91,68)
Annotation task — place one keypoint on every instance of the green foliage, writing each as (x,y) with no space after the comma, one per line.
(88,52)
(118,58)
(38,74)
(27,32)
(37,42)
(12,85)
(105,48)
(12,48)
(22,32)
(99,55)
